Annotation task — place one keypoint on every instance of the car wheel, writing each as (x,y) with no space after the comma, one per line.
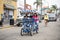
(55,19)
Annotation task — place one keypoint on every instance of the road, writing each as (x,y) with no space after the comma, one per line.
(52,32)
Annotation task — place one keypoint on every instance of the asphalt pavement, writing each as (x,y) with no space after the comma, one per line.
(51,32)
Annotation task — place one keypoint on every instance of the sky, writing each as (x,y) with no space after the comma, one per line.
(20,3)
(53,2)
(45,3)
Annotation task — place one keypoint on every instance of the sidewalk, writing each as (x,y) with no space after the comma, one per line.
(5,26)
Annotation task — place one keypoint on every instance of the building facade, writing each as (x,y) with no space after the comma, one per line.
(8,9)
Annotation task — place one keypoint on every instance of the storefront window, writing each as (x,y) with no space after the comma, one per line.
(10,14)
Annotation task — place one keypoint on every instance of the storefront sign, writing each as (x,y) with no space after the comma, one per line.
(7,1)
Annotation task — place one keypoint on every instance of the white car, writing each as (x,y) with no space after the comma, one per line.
(19,18)
(52,17)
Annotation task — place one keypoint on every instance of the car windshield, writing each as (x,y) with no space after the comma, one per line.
(51,15)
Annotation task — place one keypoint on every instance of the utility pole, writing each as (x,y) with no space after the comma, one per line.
(25,5)
(41,9)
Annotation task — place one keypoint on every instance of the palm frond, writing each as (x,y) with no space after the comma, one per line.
(35,3)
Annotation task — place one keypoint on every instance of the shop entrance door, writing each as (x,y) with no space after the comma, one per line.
(6,19)
(8,14)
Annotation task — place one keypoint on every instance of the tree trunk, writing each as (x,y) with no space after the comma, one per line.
(37,7)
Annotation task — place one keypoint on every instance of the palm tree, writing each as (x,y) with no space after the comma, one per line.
(54,8)
(38,2)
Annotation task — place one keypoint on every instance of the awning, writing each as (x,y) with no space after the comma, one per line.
(9,6)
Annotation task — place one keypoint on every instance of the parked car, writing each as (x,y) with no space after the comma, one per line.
(19,21)
(52,17)
(19,18)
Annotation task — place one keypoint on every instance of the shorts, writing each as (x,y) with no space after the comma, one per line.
(46,20)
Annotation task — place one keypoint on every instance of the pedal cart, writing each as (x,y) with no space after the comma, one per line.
(29,27)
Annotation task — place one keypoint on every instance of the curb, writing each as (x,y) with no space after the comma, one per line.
(5,27)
